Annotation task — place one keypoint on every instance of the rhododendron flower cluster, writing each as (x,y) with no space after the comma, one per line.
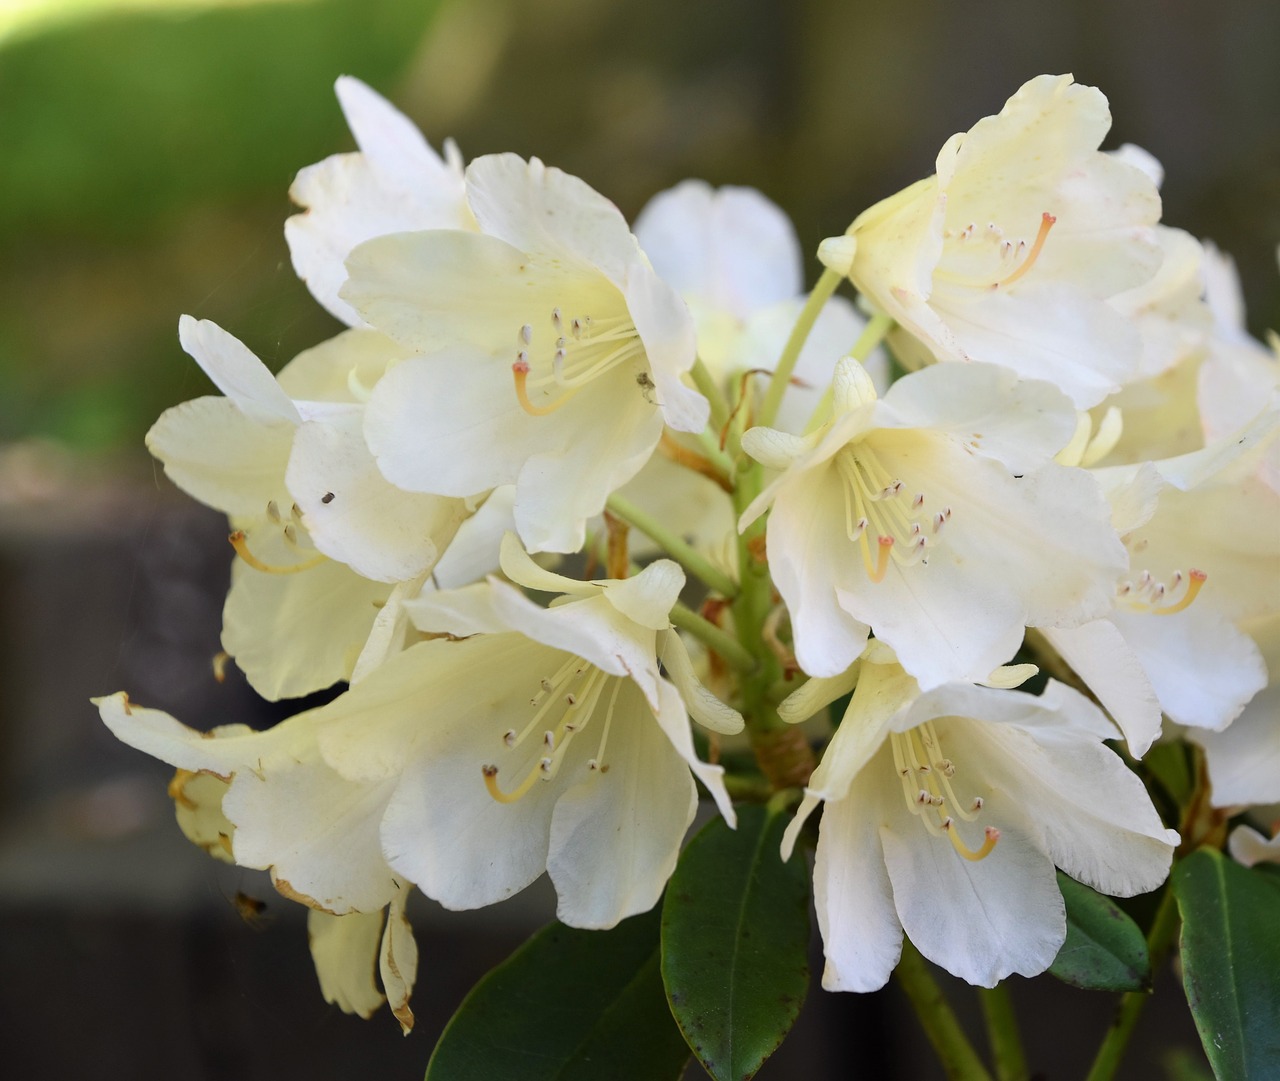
(583,518)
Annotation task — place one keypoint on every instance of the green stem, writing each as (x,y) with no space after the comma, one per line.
(1002,1033)
(872,335)
(1159,941)
(747,789)
(713,637)
(710,446)
(679,549)
(705,382)
(791,353)
(955,1052)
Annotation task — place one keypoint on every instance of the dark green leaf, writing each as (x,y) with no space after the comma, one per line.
(569,1005)
(735,938)
(1231,963)
(1168,764)
(1104,950)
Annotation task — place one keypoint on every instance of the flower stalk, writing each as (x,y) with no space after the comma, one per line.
(735,654)
(679,549)
(1116,1041)
(822,292)
(1002,1033)
(955,1052)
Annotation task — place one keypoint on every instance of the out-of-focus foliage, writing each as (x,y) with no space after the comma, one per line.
(116,120)
(147,157)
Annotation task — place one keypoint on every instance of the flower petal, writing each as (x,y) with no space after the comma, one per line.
(344,949)
(729,248)
(354,515)
(217,454)
(236,372)
(615,836)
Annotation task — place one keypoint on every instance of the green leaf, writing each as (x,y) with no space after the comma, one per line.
(568,1005)
(1105,950)
(1231,963)
(1168,763)
(735,939)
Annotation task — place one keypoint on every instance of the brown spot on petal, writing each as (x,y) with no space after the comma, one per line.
(405,1016)
(287,890)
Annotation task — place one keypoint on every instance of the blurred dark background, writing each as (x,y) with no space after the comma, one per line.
(147,150)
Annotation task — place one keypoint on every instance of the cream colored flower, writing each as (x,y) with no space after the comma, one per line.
(1010,253)
(935,518)
(945,814)
(395,183)
(550,353)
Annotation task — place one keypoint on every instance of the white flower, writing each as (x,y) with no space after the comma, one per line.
(1202,535)
(545,740)
(734,258)
(265,800)
(945,815)
(551,356)
(323,537)
(294,815)
(346,950)
(1238,377)
(1009,254)
(1244,758)
(395,184)
(936,518)
(1249,847)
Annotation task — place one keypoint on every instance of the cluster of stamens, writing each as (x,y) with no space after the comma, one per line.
(926,785)
(289,530)
(1025,254)
(1148,594)
(880,507)
(583,349)
(564,704)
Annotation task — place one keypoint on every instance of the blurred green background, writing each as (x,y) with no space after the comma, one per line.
(148,145)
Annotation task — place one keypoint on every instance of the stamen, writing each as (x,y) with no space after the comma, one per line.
(273,511)
(1047,221)
(241,546)
(598,761)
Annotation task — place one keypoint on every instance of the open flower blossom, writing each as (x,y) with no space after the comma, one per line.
(1239,376)
(734,257)
(1204,541)
(545,740)
(395,183)
(946,813)
(735,260)
(551,742)
(289,812)
(1011,251)
(1073,460)
(936,518)
(550,353)
(324,540)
